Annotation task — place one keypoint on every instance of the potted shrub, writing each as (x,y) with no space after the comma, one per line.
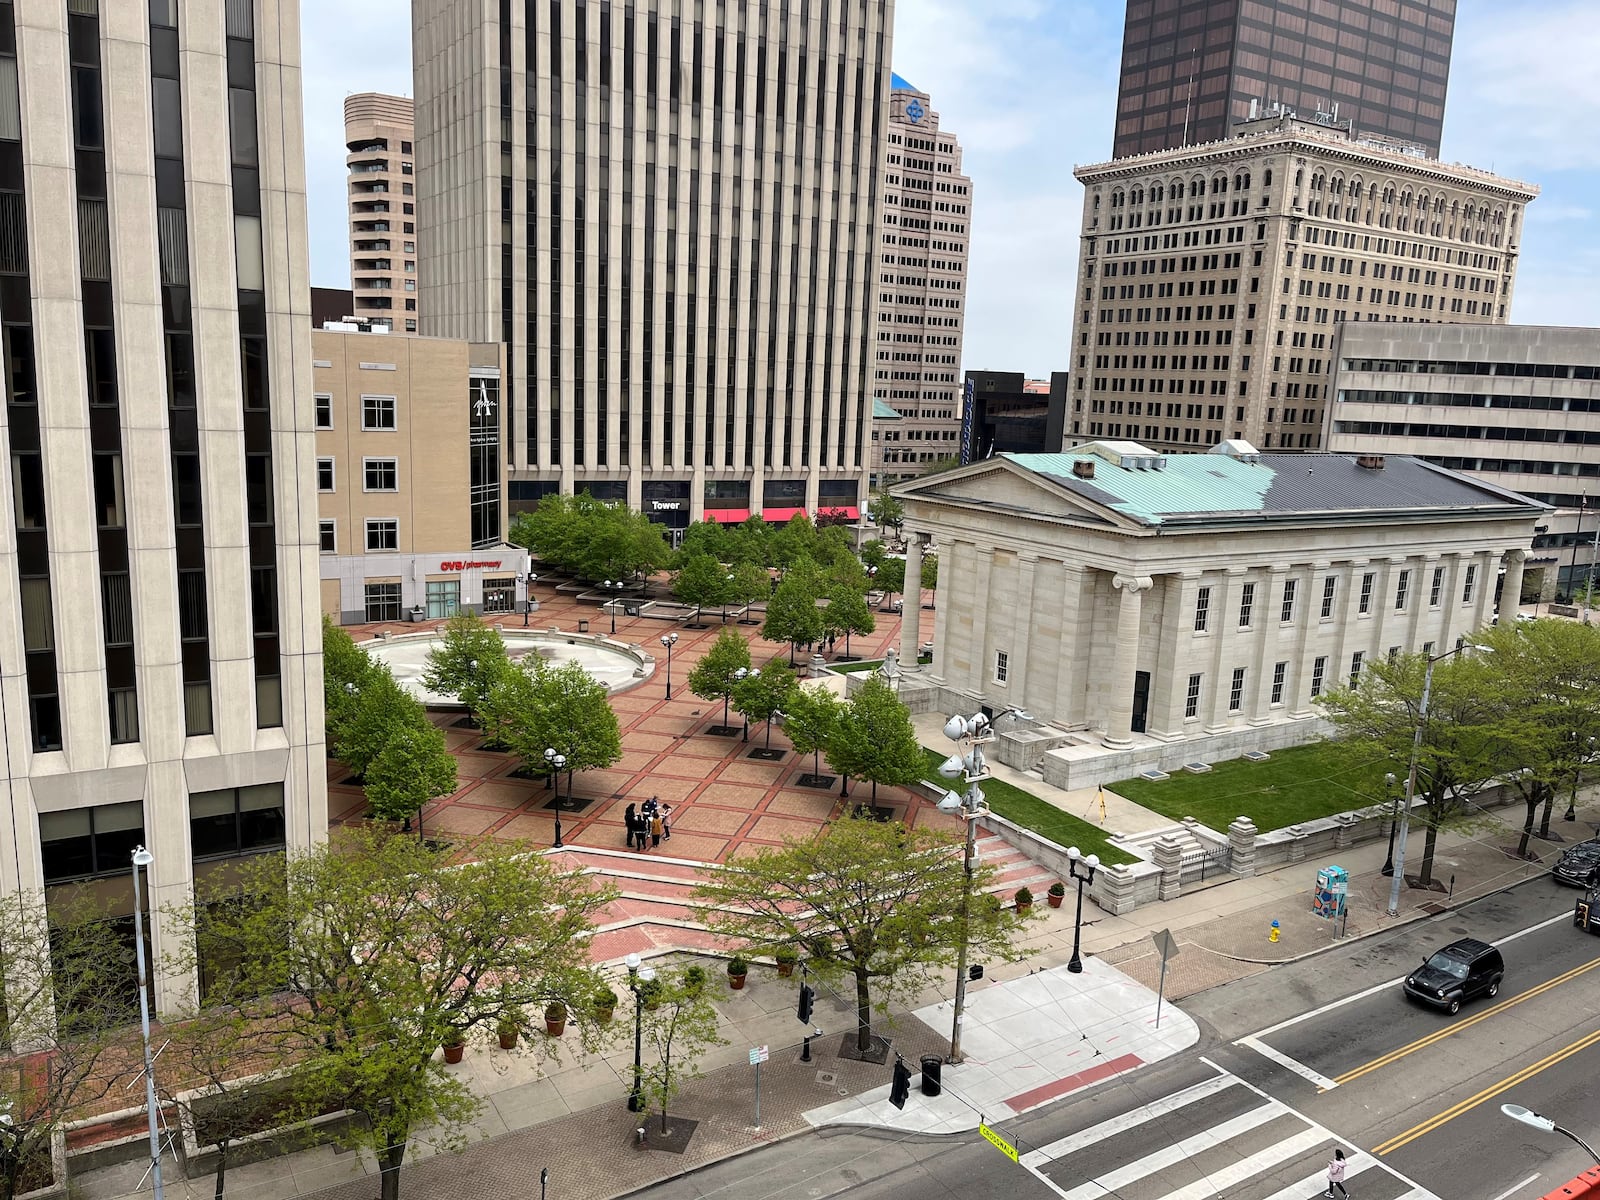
(605,1004)
(509,1028)
(1023,898)
(738,968)
(454,1047)
(694,979)
(555,1018)
(1056,894)
(787,956)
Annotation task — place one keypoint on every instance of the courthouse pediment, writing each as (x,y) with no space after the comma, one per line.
(1000,485)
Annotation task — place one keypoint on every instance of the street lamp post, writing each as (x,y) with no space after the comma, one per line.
(669,640)
(636,979)
(1411,773)
(558,763)
(970,765)
(1090,864)
(143,858)
(527,596)
(614,590)
(738,677)
(1528,1117)
(1394,805)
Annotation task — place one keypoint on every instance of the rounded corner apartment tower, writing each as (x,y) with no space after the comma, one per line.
(160,652)
(667,211)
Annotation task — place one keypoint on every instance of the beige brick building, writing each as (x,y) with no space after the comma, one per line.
(1212,278)
(379,137)
(922,287)
(409,487)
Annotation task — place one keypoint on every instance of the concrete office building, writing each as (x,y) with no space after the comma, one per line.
(161,661)
(409,488)
(1212,278)
(922,293)
(669,217)
(1189,71)
(1151,611)
(383,240)
(1004,413)
(1517,405)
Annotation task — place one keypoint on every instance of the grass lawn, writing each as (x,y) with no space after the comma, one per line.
(850,668)
(1029,811)
(1295,785)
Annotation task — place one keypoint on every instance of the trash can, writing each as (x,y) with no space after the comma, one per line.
(583,627)
(932,1064)
(631,610)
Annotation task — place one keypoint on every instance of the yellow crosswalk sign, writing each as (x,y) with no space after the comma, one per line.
(998,1142)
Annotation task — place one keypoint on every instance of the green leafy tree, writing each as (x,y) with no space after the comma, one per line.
(847,611)
(797,540)
(1458,753)
(556,530)
(538,707)
(792,612)
(345,670)
(679,1027)
(762,694)
(869,901)
(466,661)
(875,739)
(887,512)
(751,583)
(873,553)
(335,933)
(930,573)
(624,545)
(713,677)
(811,721)
(703,582)
(706,537)
(751,541)
(415,766)
(378,709)
(891,579)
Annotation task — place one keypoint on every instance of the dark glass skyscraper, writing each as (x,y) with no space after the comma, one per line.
(1190,68)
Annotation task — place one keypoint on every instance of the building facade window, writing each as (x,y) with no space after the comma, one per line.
(1472,580)
(1236,690)
(1330,584)
(1319,673)
(1279,672)
(1002,666)
(1247,602)
(444,598)
(1437,588)
(324,410)
(380,474)
(235,821)
(500,595)
(328,536)
(1202,609)
(378,413)
(1365,605)
(383,533)
(1401,588)
(1355,668)
(123,704)
(1286,613)
(324,474)
(382,601)
(1191,702)
(86,843)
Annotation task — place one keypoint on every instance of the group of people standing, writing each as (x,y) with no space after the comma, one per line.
(648,824)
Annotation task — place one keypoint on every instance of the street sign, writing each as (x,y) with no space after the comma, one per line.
(998,1142)
(1166,945)
(758,1055)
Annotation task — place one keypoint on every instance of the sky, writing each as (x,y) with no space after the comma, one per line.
(1029,86)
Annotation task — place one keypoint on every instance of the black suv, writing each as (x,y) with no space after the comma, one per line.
(1579,866)
(1459,972)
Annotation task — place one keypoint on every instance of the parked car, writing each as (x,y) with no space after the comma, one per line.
(1459,972)
(1580,865)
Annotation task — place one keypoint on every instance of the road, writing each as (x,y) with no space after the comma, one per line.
(1296,1061)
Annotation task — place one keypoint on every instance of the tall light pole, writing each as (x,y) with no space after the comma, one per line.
(527,596)
(669,640)
(969,765)
(1528,1117)
(558,763)
(1411,773)
(1394,805)
(143,858)
(734,680)
(739,677)
(614,590)
(636,980)
(1090,866)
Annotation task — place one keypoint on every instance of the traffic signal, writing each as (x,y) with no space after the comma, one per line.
(803,1009)
(901,1087)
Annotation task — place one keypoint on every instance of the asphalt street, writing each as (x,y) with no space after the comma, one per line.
(1294,1062)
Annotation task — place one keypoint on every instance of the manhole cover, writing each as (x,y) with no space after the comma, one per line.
(827,1078)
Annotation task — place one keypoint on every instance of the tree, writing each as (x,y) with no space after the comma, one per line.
(750,583)
(706,537)
(345,671)
(875,739)
(381,949)
(467,661)
(415,766)
(702,581)
(930,574)
(797,540)
(811,720)
(679,1027)
(887,512)
(762,694)
(751,541)
(891,580)
(713,676)
(792,613)
(872,901)
(538,707)
(847,611)
(377,710)
(592,538)
(873,553)
(69,989)
(1457,756)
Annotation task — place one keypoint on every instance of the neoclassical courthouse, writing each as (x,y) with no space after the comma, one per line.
(1151,610)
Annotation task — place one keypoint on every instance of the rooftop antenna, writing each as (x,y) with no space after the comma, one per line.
(1188,100)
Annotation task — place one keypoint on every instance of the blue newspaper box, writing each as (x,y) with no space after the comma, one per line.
(1333,883)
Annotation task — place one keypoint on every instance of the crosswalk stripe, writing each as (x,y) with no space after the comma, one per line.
(1128,1120)
(1312,1184)
(1178,1152)
(1232,1174)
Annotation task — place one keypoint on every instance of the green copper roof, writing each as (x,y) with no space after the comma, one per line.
(882,412)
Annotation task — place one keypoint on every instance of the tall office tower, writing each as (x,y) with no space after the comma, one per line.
(922,291)
(666,210)
(1212,278)
(160,663)
(383,222)
(1190,70)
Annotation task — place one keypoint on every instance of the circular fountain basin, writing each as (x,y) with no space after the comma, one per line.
(617,665)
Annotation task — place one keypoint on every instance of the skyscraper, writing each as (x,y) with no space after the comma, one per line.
(160,663)
(378,136)
(666,210)
(922,296)
(1189,70)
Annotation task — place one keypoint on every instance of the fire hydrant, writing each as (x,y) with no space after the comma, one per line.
(1273,936)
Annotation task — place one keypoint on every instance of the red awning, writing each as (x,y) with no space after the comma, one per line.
(848,511)
(780,515)
(728,516)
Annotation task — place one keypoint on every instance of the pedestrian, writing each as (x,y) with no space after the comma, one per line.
(631,819)
(666,818)
(657,825)
(1336,1167)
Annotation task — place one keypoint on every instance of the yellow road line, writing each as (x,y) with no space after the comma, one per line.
(1467,1023)
(1488,1093)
